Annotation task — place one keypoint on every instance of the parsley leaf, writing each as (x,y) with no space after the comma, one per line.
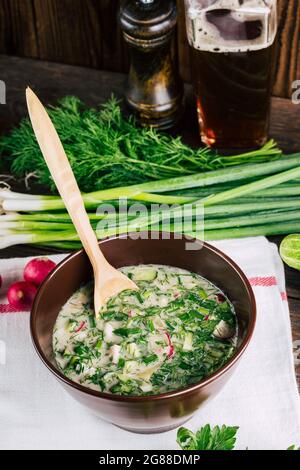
(218,438)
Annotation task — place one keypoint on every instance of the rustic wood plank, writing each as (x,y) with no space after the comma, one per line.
(53,81)
(86,32)
(288,52)
(294,305)
(285,124)
(80,32)
(18,33)
(83,32)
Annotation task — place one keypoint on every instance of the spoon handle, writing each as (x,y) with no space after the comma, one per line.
(63,176)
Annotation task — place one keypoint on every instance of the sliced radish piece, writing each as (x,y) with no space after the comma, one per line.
(221,298)
(81,326)
(171,347)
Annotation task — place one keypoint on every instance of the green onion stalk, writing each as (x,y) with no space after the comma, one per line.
(53,220)
(289,168)
(69,239)
(67,242)
(263,223)
(234,211)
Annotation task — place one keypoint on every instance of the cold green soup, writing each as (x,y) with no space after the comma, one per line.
(177,329)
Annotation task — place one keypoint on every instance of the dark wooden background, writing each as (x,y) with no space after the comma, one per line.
(86,32)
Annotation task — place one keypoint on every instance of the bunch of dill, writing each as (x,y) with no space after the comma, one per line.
(107,149)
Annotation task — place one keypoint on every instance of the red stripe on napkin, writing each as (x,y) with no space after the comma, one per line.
(284,296)
(267,282)
(263,281)
(6,308)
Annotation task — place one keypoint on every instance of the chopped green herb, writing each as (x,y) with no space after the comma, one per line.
(98,345)
(150,325)
(92,321)
(218,438)
(126,331)
(121,363)
(149,359)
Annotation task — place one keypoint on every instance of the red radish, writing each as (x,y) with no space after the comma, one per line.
(37,270)
(221,298)
(81,326)
(0,281)
(171,347)
(21,295)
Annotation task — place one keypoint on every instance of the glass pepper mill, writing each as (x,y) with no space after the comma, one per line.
(154,91)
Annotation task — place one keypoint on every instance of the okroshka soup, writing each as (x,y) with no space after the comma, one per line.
(176,330)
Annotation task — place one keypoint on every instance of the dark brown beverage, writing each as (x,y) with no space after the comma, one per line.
(232,56)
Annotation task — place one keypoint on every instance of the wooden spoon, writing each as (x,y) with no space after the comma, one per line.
(108,281)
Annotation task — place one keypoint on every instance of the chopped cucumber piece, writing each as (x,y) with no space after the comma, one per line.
(203,310)
(130,366)
(188,342)
(133,350)
(147,293)
(98,345)
(71,325)
(146,388)
(66,353)
(74,360)
(145,274)
(202,294)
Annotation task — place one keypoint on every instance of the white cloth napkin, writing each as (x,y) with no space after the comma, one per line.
(261,398)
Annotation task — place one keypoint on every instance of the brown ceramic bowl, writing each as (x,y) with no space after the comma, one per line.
(152,413)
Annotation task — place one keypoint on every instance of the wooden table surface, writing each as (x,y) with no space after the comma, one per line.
(53,81)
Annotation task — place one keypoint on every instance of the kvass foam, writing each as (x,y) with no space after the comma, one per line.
(231,25)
